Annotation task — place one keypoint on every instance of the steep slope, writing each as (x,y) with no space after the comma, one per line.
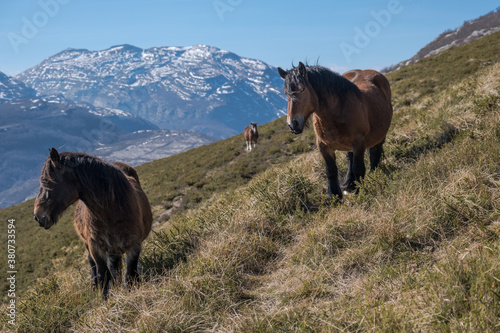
(469,31)
(199,88)
(416,250)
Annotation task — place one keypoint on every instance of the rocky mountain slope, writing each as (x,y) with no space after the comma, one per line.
(199,88)
(12,89)
(469,31)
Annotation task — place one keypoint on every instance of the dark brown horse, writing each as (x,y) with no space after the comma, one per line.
(251,135)
(351,113)
(113,215)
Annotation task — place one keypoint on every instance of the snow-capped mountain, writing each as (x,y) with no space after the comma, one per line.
(200,88)
(11,89)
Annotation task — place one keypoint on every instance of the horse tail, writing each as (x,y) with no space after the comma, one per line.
(383,84)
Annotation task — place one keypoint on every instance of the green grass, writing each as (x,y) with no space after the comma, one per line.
(254,246)
(225,165)
(39,252)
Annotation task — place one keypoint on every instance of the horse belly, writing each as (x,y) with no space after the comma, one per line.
(337,137)
(81,215)
(333,142)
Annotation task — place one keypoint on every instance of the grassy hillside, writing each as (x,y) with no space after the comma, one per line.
(251,245)
(172,185)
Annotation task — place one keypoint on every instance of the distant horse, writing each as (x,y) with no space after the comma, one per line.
(113,215)
(351,113)
(251,135)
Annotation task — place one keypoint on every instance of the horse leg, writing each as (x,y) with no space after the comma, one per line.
(332,175)
(93,270)
(358,163)
(348,184)
(249,146)
(115,267)
(376,154)
(132,275)
(103,273)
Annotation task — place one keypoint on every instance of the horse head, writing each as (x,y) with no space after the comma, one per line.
(254,127)
(302,100)
(57,190)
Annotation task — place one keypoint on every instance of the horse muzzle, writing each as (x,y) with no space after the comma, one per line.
(296,126)
(43,221)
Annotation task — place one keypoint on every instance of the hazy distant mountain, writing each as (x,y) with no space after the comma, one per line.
(11,89)
(145,146)
(199,88)
(30,126)
(468,32)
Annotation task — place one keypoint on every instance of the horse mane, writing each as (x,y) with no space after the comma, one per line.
(324,82)
(101,181)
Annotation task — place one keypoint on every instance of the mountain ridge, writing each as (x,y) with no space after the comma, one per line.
(199,87)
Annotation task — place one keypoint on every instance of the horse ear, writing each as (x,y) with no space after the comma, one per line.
(54,156)
(282,72)
(302,69)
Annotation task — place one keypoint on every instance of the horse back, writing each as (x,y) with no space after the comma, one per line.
(127,170)
(369,79)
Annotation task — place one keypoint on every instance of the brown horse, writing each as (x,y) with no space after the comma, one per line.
(113,215)
(251,135)
(351,113)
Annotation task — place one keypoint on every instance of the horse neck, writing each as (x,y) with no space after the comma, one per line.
(333,107)
(101,200)
(332,99)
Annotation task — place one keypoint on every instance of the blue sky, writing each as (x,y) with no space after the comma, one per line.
(338,34)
